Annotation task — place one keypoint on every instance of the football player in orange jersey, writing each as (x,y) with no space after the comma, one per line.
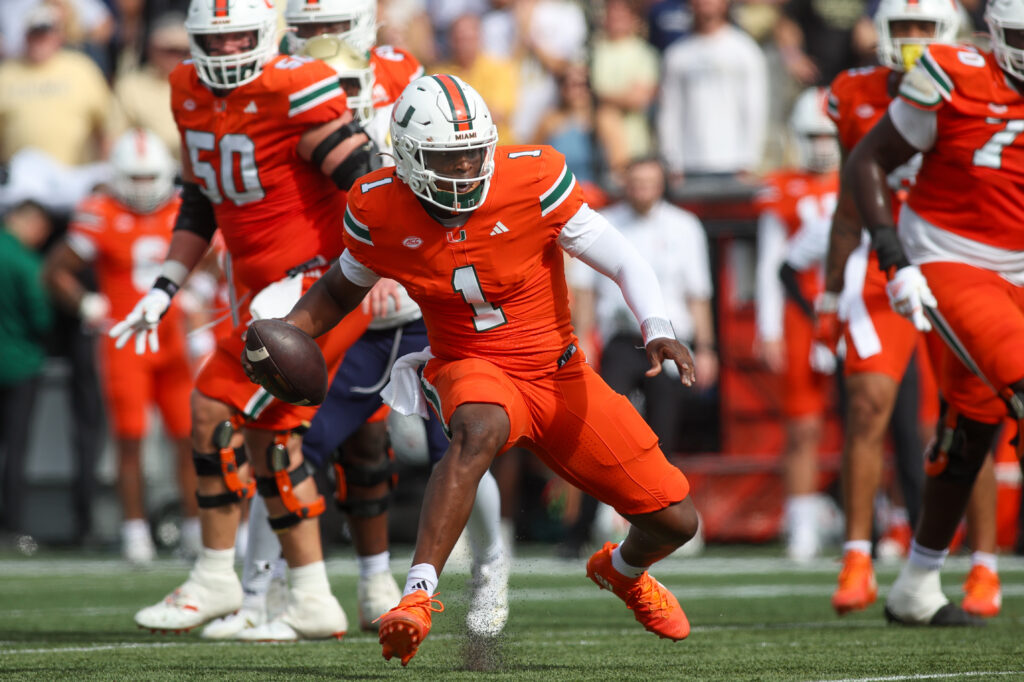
(268,142)
(797,206)
(880,343)
(956,266)
(475,233)
(349,423)
(126,233)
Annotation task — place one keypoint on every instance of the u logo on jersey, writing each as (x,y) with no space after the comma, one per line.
(455,238)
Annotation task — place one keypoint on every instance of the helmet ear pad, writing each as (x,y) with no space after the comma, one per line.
(442,113)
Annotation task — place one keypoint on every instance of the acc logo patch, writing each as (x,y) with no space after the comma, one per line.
(412,242)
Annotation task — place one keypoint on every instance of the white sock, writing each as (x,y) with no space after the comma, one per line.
(374,564)
(802,510)
(930,559)
(311,578)
(261,551)
(215,560)
(862,546)
(620,565)
(134,529)
(421,577)
(986,559)
(484,524)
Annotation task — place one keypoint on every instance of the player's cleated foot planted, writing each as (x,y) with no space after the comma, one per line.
(983,595)
(403,628)
(857,586)
(203,597)
(949,615)
(651,603)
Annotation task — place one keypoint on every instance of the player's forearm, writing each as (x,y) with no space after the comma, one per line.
(844,238)
(327,302)
(703,324)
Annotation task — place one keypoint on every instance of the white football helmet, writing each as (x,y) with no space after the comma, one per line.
(815,133)
(437,114)
(353,68)
(143,171)
(1003,15)
(218,17)
(361,16)
(901,53)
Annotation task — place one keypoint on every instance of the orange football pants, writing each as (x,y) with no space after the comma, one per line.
(986,312)
(804,391)
(583,430)
(899,339)
(131,383)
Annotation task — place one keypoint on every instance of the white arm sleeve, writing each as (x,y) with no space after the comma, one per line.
(356,272)
(590,237)
(771,251)
(809,246)
(917,126)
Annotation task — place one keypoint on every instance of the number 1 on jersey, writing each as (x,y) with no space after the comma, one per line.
(486,316)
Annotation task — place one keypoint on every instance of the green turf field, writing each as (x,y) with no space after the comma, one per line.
(755,617)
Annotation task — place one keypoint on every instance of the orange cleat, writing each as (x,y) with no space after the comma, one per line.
(651,603)
(982,595)
(857,587)
(403,628)
(895,543)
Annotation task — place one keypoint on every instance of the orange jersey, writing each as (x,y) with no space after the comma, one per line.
(493,288)
(803,202)
(971,181)
(857,99)
(393,69)
(274,209)
(127,248)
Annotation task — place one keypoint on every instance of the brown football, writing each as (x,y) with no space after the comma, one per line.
(287,362)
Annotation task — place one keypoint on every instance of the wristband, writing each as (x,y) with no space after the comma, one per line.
(165,285)
(886,244)
(656,328)
(828,302)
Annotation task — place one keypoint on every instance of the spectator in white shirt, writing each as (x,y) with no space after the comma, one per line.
(674,243)
(713,107)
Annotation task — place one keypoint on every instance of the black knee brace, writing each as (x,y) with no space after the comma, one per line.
(960,447)
(359,474)
(282,484)
(1014,400)
(223,463)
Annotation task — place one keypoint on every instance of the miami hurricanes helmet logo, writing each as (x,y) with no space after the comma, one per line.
(457,100)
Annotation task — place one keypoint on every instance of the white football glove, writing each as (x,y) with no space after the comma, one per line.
(909,294)
(142,321)
(93,310)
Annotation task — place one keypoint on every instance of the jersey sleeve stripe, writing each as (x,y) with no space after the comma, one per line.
(832,106)
(83,247)
(434,398)
(943,82)
(315,94)
(558,192)
(355,228)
